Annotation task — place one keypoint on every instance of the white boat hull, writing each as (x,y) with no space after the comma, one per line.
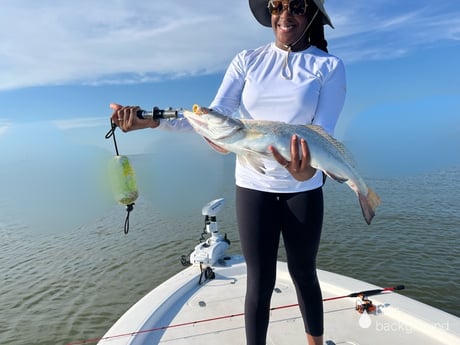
(181,311)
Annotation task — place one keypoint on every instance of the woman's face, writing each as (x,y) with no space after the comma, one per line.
(289,24)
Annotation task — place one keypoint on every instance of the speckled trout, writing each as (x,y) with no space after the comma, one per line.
(250,139)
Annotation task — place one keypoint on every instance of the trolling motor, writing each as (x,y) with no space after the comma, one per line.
(213,249)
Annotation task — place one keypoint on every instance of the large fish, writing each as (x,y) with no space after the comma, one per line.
(250,139)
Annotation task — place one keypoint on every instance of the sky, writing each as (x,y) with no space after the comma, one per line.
(62,63)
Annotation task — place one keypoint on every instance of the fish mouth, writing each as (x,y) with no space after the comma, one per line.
(213,126)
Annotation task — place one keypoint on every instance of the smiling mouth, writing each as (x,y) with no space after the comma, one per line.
(286,28)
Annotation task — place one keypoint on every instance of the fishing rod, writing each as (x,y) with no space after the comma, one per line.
(367,293)
(361,294)
(189,323)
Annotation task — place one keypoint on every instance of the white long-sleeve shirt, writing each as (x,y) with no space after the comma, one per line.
(254,85)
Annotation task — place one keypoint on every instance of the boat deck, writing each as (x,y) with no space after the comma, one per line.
(181,311)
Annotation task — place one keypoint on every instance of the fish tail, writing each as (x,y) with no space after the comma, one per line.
(368,204)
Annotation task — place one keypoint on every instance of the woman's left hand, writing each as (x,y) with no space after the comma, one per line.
(299,166)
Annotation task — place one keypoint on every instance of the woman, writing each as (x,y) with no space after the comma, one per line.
(294,80)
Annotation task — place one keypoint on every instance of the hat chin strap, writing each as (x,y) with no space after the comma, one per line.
(286,72)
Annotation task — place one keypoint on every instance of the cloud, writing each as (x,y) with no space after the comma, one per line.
(89,41)
(132,41)
(383,30)
(81,123)
(5,126)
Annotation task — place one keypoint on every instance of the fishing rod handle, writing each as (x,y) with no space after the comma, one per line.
(158,113)
(376,291)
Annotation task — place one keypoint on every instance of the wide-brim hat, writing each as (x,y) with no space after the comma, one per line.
(259,9)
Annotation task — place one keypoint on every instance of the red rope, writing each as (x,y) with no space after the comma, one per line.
(89,341)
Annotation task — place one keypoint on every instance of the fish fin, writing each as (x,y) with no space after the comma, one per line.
(335,177)
(368,204)
(253,161)
(216,147)
(337,144)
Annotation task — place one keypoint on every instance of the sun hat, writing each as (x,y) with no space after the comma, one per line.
(259,9)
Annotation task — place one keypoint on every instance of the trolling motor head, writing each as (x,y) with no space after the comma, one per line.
(213,249)
(212,208)
(209,211)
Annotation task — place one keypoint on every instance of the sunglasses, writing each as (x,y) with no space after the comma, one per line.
(295,7)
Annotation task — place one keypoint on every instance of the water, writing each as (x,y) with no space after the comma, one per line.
(60,287)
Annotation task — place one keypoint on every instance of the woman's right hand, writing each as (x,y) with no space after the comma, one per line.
(126,118)
(299,166)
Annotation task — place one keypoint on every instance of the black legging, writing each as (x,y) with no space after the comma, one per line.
(262,217)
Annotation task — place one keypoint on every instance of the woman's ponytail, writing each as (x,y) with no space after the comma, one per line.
(316,34)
